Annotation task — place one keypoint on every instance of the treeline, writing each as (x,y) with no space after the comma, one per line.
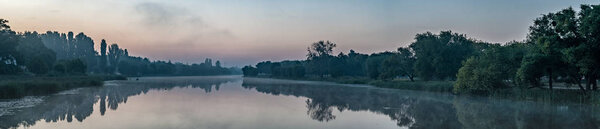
(430,57)
(54,53)
(560,47)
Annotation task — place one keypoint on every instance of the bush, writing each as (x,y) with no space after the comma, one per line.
(250,71)
(75,66)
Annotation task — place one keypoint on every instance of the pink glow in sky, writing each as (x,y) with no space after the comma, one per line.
(245,32)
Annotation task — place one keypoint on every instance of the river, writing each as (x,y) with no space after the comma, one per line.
(235,102)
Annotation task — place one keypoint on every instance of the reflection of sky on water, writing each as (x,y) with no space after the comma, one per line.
(233,102)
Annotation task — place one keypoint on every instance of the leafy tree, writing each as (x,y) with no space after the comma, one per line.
(36,57)
(74,66)
(218,64)
(264,67)
(440,56)
(375,62)
(486,72)
(355,64)
(8,43)
(208,62)
(103,57)
(293,69)
(561,47)
(114,55)
(588,52)
(250,71)
(401,63)
(320,49)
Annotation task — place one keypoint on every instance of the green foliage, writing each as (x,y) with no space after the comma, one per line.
(481,73)
(114,55)
(289,71)
(8,53)
(566,45)
(399,64)
(36,57)
(9,69)
(440,56)
(375,64)
(264,67)
(320,65)
(75,66)
(137,66)
(19,86)
(38,66)
(435,86)
(491,70)
(320,49)
(250,71)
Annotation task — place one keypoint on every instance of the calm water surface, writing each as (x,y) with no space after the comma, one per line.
(233,102)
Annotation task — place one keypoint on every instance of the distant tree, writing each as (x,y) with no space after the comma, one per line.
(8,53)
(320,59)
(125,53)
(114,55)
(401,63)
(103,46)
(103,57)
(374,64)
(355,64)
(551,34)
(39,66)
(486,72)
(36,57)
(208,62)
(288,69)
(60,67)
(77,66)
(319,49)
(440,56)
(264,67)
(218,64)
(250,71)
(74,66)
(586,55)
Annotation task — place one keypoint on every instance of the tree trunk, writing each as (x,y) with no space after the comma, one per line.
(588,82)
(594,84)
(550,79)
(411,78)
(579,84)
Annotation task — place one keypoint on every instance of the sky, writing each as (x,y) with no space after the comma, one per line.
(244,32)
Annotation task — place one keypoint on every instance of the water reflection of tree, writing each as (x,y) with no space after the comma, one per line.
(80,105)
(409,109)
(319,112)
(423,110)
(480,113)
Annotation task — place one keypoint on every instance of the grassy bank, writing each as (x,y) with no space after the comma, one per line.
(20,86)
(538,95)
(435,86)
(545,95)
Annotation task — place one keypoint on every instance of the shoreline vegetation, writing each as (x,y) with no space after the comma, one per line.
(12,87)
(537,95)
(433,86)
(33,63)
(558,61)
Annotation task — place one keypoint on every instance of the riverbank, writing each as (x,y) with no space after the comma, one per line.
(19,86)
(538,95)
(433,86)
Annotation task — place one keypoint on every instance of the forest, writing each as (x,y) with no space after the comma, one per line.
(561,51)
(57,54)
(39,64)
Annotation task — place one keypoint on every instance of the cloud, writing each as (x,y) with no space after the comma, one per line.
(181,25)
(158,15)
